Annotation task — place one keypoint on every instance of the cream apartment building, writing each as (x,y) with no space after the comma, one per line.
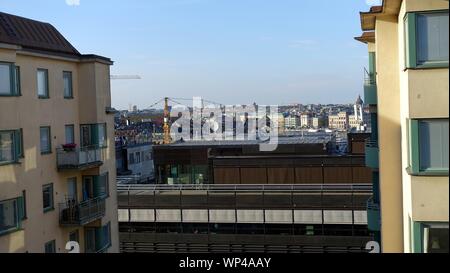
(408,93)
(50,96)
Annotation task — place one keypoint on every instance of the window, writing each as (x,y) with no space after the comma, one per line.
(50,247)
(105,238)
(429,147)
(430,237)
(68,89)
(11,215)
(101,135)
(427,40)
(47,195)
(98,239)
(9,80)
(42,83)
(72,189)
(131,158)
(11,144)
(70,134)
(138,157)
(46,146)
(103,185)
(93,135)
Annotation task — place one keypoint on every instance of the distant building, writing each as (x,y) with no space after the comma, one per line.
(306,120)
(357,121)
(292,122)
(134,163)
(338,121)
(318,122)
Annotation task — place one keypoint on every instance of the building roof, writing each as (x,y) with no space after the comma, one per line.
(389,7)
(39,37)
(366,37)
(317,138)
(33,34)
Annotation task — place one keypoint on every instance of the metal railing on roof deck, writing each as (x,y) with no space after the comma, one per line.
(369,78)
(248,188)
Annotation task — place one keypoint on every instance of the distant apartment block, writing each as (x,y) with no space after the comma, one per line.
(292,122)
(407,88)
(306,120)
(57,164)
(338,121)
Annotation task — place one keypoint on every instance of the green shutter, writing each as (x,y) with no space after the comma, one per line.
(372,66)
(17,87)
(410,41)
(12,79)
(18,144)
(417,237)
(94,134)
(20,210)
(414,146)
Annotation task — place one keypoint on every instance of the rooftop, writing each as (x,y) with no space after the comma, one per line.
(38,37)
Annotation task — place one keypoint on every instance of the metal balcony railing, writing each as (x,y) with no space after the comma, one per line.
(370,88)
(72,213)
(246,188)
(369,78)
(79,158)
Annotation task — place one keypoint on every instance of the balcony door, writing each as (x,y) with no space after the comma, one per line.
(72,192)
(88,188)
(89,136)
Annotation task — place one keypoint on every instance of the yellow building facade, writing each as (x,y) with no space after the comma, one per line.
(57,157)
(408,92)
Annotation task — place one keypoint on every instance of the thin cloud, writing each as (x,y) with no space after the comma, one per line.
(73,2)
(373,2)
(302,43)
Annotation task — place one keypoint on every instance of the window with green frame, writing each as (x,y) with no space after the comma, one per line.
(12,213)
(428,146)
(97,239)
(47,197)
(9,79)
(42,84)
(93,135)
(430,237)
(68,86)
(426,39)
(45,140)
(11,146)
(50,247)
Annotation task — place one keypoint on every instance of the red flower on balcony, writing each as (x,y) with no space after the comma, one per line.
(69,146)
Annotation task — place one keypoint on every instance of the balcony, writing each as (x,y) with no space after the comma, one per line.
(373,216)
(370,92)
(372,154)
(79,158)
(72,213)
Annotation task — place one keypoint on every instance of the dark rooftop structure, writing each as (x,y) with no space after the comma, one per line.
(38,37)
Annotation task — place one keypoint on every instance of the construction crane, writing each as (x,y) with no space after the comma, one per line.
(166,127)
(125,77)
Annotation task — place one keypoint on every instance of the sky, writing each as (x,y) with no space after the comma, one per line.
(227,51)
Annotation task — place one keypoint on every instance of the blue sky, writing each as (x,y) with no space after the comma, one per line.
(229,51)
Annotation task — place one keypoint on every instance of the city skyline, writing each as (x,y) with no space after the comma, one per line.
(264,53)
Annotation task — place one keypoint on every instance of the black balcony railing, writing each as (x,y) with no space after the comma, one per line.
(79,158)
(79,214)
